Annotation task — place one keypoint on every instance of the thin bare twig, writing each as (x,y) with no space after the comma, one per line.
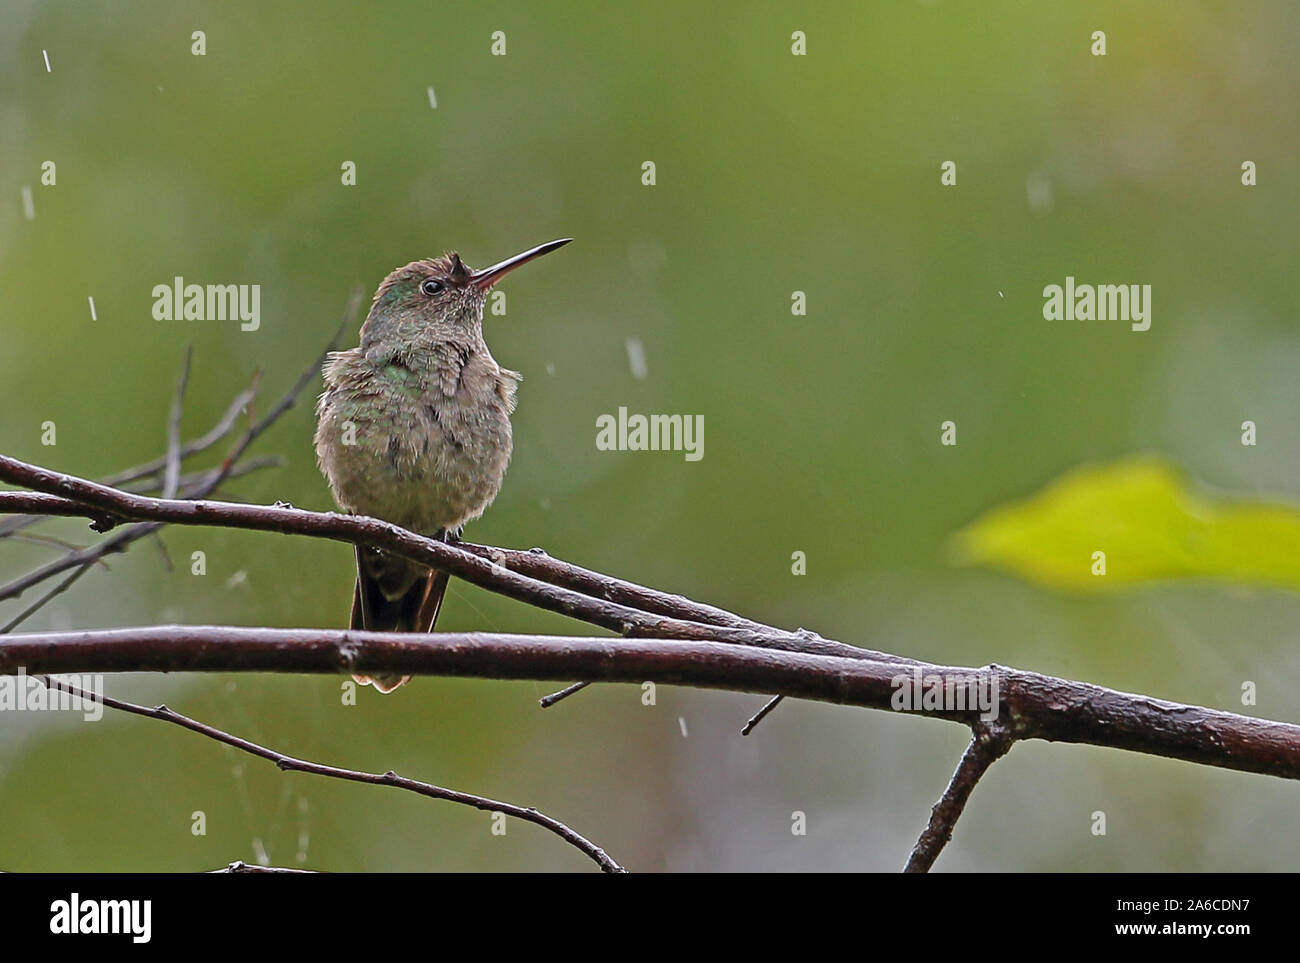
(162,550)
(761,714)
(239,866)
(41,602)
(37,538)
(537,563)
(292,764)
(201,444)
(152,468)
(115,543)
(172,474)
(287,400)
(547,701)
(989,743)
(205,484)
(33,502)
(224,424)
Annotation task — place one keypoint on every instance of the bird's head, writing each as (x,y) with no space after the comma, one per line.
(437,299)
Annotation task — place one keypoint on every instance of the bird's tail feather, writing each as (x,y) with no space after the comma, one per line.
(394,595)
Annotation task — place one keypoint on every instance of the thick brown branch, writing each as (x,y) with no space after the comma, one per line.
(462,562)
(1030,706)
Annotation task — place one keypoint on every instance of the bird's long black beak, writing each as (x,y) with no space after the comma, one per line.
(489,276)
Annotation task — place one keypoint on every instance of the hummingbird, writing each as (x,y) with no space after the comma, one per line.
(414,428)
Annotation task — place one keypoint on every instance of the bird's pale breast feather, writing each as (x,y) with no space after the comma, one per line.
(423,459)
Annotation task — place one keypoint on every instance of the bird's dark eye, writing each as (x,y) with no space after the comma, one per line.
(431,286)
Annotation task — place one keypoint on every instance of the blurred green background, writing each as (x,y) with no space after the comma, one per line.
(775,173)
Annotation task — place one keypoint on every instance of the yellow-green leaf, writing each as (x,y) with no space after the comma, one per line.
(1150,522)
